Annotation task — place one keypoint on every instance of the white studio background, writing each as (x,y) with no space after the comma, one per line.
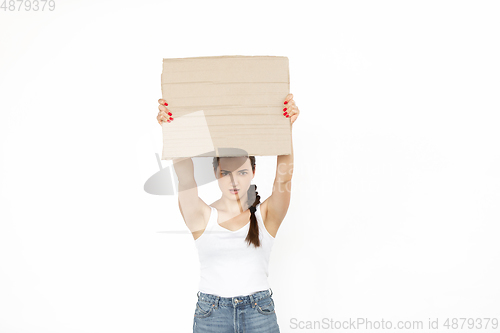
(394,212)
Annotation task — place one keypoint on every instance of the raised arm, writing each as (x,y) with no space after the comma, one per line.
(284,167)
(188,190)
(279,201)
(192,208)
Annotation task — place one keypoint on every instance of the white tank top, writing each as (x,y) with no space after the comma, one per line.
(230,267)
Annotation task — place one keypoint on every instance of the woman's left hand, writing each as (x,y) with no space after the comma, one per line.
(290,110)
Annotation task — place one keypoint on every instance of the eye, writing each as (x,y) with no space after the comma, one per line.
(241,172)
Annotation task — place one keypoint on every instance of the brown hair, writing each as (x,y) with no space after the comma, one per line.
(253,201)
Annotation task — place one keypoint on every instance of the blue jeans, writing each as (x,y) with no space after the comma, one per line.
(241,314)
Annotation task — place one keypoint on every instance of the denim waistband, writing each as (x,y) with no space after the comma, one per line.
(234,301)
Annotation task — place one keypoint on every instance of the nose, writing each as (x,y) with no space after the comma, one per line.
(234,180)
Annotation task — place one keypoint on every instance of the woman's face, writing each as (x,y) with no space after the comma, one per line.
(234,172)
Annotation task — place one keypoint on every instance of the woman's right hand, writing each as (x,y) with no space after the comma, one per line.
(164,114)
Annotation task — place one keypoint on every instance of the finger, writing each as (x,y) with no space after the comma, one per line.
(162,108)
(289,110)
(289,115)
(166,117)
(162,101)
(286,111)
(288,98)
(294,113)
(166,112)
(163,116)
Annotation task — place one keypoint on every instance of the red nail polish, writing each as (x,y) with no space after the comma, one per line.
(287,115)
(169,114)
(286,102)
(165,104)
(168,121)
(284,109)
(171,118)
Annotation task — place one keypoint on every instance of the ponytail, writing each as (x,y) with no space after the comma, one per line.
(253,201)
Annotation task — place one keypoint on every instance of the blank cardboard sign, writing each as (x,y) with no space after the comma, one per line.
(230,102)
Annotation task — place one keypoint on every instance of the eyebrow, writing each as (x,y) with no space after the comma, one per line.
(238,170)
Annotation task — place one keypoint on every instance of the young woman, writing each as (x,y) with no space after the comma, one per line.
(234,237)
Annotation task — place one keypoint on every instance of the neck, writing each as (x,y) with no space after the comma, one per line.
(234,206)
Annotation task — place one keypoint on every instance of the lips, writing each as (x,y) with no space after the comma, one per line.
(234,191)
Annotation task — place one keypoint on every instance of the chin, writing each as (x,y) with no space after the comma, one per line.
(234,197)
